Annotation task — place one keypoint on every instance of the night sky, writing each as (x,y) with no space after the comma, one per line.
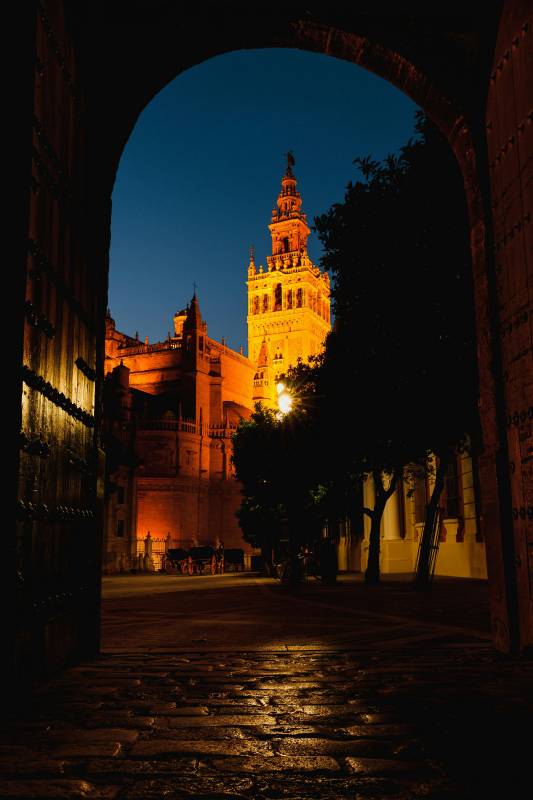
(201,172)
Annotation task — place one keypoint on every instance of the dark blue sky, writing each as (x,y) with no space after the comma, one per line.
(201,172)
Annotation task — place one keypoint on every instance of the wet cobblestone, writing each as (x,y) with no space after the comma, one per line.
(427,712)
(301,734)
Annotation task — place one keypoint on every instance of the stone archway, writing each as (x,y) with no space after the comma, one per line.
(90,70)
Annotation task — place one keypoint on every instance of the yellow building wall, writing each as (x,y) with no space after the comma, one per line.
(463,559)
(289,302)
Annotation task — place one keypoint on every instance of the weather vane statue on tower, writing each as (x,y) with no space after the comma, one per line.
(290,161)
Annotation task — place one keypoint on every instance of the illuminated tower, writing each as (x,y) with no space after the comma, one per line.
(289,303)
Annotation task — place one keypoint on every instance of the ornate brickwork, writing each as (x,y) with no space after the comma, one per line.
(288,304)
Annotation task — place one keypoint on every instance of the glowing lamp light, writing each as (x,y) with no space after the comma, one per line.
(284,402)
(280,387)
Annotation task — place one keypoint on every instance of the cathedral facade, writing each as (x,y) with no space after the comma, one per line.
(171,409)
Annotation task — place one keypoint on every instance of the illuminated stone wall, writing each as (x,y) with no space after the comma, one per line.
(187,395)
(289,301)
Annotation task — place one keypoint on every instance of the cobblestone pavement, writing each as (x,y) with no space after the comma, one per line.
(412,710)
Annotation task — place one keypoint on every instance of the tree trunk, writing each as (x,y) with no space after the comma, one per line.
(423,571)
(372,574)
(266,554)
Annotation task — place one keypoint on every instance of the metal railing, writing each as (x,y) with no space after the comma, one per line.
(220,430)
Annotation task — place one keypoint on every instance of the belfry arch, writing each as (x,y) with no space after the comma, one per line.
(86,72)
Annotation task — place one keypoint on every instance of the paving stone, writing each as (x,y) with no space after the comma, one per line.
(93,735)
(277,763)
(230,720)
(228,688)
(311,724)
(184,711)
(95,684)
(163,724)
(37,764)
(382,766)
(273,686)
(99,691)
(220,787)
(161,747)
(124,721)
(87,750)
(158,708)
(11,750)
(329,786)
(120,767)
(236,710)
(282,729)
(55,790)
(225,702)
(76,707)
(329,710)
(373,719)
(326,698)
(359,747)
(374,731)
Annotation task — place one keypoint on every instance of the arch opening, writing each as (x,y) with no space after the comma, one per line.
(172,521)
(83,113)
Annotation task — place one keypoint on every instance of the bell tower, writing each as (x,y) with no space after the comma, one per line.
(289,303)
(288,227)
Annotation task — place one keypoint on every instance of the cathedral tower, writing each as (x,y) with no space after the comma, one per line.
(289,303)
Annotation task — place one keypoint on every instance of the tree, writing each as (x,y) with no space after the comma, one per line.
(256,460)
(398,250)
(330,472)
(286,483)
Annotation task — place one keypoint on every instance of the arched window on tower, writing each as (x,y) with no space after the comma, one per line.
(286,245)
(289,298)
(255,309)
(277,297)
(299,298)
(265,303)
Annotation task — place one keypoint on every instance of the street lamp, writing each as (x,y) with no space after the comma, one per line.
(285,400)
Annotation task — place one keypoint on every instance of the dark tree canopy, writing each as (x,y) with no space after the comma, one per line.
(398,377)
(399,255)
(400,367)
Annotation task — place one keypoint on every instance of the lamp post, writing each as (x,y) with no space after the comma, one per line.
(285,400)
